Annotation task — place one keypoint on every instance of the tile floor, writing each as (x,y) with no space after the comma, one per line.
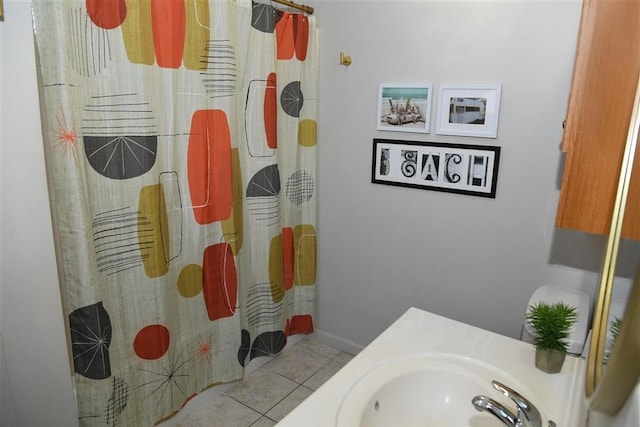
(268,393)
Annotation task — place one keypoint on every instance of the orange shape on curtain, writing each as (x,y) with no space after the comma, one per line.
(301,36)
(209,166)
(301,324)
(151,342)
(270,112)
(219,281)
(292,35)
(287,328)
(169,23)
(107,14)
(287,256)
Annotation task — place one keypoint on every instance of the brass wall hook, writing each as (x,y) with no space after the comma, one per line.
(345,59)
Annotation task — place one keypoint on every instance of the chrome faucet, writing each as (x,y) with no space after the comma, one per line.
(527,415)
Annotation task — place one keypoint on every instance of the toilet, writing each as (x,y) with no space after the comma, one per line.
(580,300)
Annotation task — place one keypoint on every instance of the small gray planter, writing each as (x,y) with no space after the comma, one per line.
(549,361)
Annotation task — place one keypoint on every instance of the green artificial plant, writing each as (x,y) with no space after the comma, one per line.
(552,323)
(614,329)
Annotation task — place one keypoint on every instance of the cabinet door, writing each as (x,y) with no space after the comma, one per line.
(605,76)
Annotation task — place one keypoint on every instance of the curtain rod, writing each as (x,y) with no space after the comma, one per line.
(302,7)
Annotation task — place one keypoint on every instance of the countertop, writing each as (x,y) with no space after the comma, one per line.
(559,396)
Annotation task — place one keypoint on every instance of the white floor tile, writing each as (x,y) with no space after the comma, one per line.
(316,346)
(270,392)
(320,377)
(297,363)
(343,358)
(289,403)
(262,389)
(223,412)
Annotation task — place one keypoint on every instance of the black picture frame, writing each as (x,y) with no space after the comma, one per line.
(454,168)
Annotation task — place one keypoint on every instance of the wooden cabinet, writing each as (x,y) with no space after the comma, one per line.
(607,68)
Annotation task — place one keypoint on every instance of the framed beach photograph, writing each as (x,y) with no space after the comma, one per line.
(404,107)
(454,168)
(469,110)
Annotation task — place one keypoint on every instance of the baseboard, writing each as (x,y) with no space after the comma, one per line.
(337,342)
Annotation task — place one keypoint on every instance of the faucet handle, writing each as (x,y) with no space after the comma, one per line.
(528,415)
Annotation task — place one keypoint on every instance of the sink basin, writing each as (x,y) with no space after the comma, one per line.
(425,390)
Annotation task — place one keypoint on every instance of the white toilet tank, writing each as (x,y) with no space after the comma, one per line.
(580,300)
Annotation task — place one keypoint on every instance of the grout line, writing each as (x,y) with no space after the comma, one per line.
(284,398)
(270,419)
(244,404)
(281,400)
(299,384)
(256,421)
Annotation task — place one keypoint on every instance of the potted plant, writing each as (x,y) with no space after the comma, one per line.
(551,323)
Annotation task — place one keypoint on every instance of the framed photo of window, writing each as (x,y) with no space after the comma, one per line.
(404,107)
(469,110)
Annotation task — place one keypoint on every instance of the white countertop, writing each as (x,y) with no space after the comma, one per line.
(558,396)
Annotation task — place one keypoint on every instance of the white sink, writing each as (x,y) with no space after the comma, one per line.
(431,389)
(425,369)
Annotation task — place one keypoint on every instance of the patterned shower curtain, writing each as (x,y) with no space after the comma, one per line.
(180,144)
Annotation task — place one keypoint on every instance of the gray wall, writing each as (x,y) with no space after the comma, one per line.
(36,388)
(384,249)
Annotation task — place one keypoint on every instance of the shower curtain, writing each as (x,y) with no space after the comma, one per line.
(180,140)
